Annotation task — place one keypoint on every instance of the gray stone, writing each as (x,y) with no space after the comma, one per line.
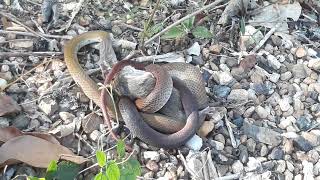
(290,166)
(276,154)
(302,144)
(264,150)
(49,106)
(273,62)
(237,167)
(284,104)
(313,156)
(288,175)
(194,49)
(223,77)
(244,155)
(249,112)
(274,77)
(262,134)
(152,165)
(66,117)
(251,145)
(286,76)
(4,122)
(216,145)
(299,71)
(238,96)
(152,155)
(262,113)
(21,121)
(220,138)
(281,166)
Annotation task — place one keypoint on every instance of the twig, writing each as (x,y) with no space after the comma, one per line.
(14,19)
(130,27)
(194,174)
(205,166)
(212,169)
(149,22)
(229,177)
(185,18)
(15,64)
(28,72)
(266,37)
(21,54)
(74,13)
(233,140)
(33,35)
(34,3)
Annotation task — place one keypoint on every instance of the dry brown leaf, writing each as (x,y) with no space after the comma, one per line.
(8,133)
(8,105)
(34,151)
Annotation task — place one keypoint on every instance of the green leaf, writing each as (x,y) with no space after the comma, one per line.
(154,29)
(51,170)
(101,158)
(113,171)
(130,169)
(32,178)
(136,167)
(174,33)
(121,148)
(101,176)
(67,170)
(201,32)
(128,177)
(188,24)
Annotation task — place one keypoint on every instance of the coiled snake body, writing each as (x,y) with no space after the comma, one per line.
(186,79)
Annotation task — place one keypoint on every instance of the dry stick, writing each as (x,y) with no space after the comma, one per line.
(14,19)
(185,18)
(74,13)
(205,165)
(33,35)
(28,72)
(21,54)
(130,27)
(266,37)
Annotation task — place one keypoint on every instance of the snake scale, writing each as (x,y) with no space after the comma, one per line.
(186,79)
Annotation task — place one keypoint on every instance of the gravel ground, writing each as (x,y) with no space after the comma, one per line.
(265,123)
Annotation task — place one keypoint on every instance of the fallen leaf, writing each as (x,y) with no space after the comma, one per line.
(8,105)
(34,151)
(269,16)
(8,133)
(67,129)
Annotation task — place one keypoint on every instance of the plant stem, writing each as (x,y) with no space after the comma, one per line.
(187,17)
(147,26)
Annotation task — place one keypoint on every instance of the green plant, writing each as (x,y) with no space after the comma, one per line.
(185,28)
(61,170)
(118,169)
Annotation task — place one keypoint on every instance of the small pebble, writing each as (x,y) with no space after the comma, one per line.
(152,155)
(301,52)
(206,128)
(238,96)
(276,154)
(284,104)
(152,165)
(237,167)
(262,113)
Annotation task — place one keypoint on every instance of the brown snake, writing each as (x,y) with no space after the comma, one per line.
(160,122)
